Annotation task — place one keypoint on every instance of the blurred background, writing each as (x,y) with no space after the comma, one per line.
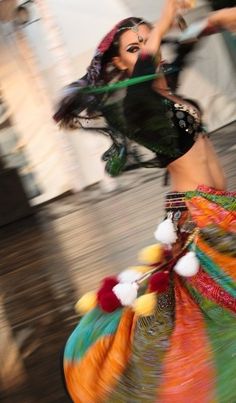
(64,223)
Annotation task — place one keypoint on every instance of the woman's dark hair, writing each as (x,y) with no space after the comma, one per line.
(123,27)
(113,50)
(100,71)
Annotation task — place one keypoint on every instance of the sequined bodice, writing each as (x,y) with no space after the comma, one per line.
(185,116)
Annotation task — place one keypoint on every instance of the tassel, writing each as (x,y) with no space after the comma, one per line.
(126,293)
(188,265)
(151,254)
(114,294)
(165,232)
(145,305)
(159,282)
(108,283)
(129,276)
(108,301)
(140,269)
(86,303)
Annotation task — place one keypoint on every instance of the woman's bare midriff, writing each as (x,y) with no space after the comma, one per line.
(199,166)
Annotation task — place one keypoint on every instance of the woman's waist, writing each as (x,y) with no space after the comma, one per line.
(189,180)
(197,166)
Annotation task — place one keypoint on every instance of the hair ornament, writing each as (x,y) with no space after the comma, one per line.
(133,28)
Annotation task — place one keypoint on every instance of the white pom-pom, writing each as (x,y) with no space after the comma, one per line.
(126,293)
(129,276)
(188,265)
(165,232)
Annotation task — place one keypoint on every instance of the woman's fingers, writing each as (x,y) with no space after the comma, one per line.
(225,18)
(171,9)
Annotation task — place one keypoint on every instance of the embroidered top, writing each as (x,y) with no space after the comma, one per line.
(162,125)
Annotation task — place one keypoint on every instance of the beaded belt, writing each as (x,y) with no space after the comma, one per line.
(175,204)
(175,201)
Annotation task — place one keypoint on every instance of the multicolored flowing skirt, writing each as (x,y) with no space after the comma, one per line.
(185,352)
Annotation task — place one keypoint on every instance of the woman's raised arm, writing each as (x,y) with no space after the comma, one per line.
(165,22)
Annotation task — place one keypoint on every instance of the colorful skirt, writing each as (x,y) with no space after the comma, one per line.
(185,350)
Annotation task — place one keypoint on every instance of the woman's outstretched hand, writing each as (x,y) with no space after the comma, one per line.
(224,18)
(168,16)
(171,9)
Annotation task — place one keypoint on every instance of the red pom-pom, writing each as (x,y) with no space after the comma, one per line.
(106,298)
(108,283)
(159,282)
(108,301)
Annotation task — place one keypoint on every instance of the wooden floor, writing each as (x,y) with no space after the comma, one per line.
(49,260)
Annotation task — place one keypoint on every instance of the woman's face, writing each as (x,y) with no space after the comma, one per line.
(130,44)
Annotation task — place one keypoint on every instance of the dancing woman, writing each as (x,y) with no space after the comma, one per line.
(164,331)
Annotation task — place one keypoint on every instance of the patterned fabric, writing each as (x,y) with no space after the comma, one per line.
(185,351)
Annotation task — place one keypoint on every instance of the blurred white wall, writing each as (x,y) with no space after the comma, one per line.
(31,77)
(29,109)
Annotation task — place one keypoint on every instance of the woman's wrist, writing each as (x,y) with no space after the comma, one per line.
(162,27)
(225,18)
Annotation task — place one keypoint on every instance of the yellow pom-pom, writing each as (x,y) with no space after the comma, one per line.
(151,254)
(86,303)
(140,269)
(145,305)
